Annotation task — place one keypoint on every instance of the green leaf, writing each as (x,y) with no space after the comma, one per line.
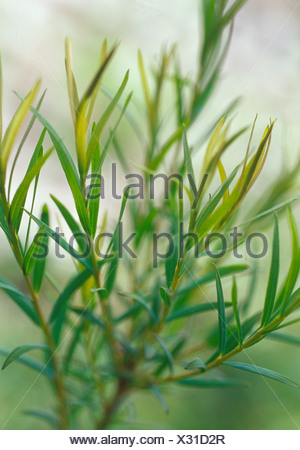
(221,313)
(170,265)
(294,267)
(94,193)
(31,363)
(76,282)
(191,310)
(14,127)
(209,383)
(101,124)
(77,332)
(231,13)
(142,302)
(111,273)
(196,363)
(43,415)
(213,202)
(187,154)
(20,299)
(40,263)
(55,236)
(21,193)
(37,154)
(166,295)
(4,224)
(166,351)
(288,338)
(273,277)
(69,169)
(18,351)
(1,89)
(236,312)
(265,213)
(32,253)
(160,398)
(88,316)
(210,276)
(22,142)
(263,372)
(80,237)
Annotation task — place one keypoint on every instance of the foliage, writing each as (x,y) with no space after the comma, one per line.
(136,327)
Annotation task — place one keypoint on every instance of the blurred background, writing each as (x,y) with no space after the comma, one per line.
(262,67)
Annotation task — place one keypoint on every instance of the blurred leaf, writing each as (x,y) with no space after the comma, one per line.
(236,312)
(38,152)
(23,140)
(3,223)
(167,353)
(288,338)
(76,282)
(71,83)
(57,238)
(146,89)
(31,363)
(210,276)
(166,295)
(221,313)
(209,383)
(94,193)
(196,363)
(14,127)
(231,13)
(18,351)
(213,202)
(273,277)
(142,302)
(80,237)
(44,415)
(187,154)
(21,193)
(191,310)
(223,178)
(20,299)
(263,372)
(83,116)
(69,169)
(101,124)
(32,252)
(160,398)
(88,316)
(1,92)
(294,267)
(40,263)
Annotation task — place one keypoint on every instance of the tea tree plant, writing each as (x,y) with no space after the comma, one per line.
(136,326)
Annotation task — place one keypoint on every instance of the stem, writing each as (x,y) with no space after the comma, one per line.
(113,405)
(63,414)
(256,337)
(105,310)
(58,380)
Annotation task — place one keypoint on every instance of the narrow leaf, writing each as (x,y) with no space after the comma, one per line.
(20,299)
(236,312)
(221,313)
(18,351)
(167,353)
(263,372)
(15,125)
(273,277)
(196,363)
